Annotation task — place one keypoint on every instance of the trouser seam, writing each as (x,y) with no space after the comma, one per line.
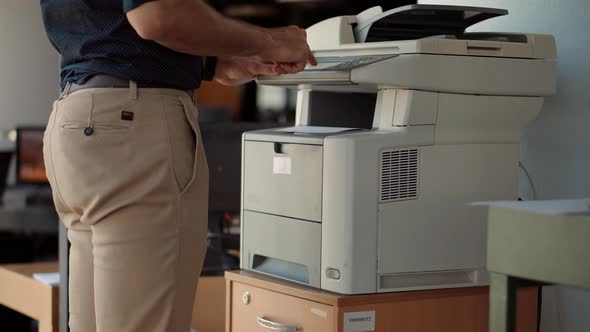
(51,134)
(176,262)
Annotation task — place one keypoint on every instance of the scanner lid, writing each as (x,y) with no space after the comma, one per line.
(420,21)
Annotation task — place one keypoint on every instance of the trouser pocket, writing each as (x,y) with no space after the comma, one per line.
(185,142)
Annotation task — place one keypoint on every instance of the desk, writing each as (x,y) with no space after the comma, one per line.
(20,292)
(287,306)
(526,248)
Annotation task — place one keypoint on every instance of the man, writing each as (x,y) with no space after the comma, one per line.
(123,150)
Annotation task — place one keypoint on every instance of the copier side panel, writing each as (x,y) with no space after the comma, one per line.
(437,240)
(349,212)
(483,119)
(462,74)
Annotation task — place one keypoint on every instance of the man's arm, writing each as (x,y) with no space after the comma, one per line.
(193,27)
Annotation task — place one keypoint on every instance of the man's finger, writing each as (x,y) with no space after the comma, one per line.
(300,66)
(264,69)
(287,67)
(311,58)
(280,70)
(293,68)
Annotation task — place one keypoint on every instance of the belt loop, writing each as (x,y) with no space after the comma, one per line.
(65,91)
(133,90)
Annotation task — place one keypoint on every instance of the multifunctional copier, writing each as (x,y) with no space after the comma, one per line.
(405,121)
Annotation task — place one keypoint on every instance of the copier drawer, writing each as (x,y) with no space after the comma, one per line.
(283,179)
(284,247)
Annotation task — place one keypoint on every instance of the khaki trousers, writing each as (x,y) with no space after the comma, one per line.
(132,191)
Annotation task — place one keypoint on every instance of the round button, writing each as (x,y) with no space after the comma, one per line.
(88,131)
(246,298)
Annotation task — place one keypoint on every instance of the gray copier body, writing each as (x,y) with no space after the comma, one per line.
(432,121)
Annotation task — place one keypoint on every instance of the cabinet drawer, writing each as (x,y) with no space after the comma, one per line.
(250,304)
(283,179)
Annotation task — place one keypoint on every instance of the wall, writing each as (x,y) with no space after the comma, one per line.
(28,66)
(29,70)
(556,146)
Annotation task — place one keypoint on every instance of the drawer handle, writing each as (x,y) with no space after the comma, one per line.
(275,326)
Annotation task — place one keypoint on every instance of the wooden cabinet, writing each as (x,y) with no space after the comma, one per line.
(259,303)
(257,309)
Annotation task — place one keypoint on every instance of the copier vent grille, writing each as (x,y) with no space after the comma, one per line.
(399,175)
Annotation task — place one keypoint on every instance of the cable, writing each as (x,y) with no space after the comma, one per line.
(528,176)
(540,291)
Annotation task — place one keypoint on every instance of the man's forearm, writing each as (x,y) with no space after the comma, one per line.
(193,27)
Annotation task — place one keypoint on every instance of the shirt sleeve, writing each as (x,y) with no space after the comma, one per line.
(130,4)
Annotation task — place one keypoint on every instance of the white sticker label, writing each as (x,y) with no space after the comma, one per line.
(361,321)
(281,165)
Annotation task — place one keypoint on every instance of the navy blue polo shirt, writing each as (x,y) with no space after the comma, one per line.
(94,37)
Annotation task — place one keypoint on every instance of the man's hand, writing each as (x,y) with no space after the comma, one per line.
(288,48)
(238,70)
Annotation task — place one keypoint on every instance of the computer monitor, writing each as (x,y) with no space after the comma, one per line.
(5,157)
(30,167)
